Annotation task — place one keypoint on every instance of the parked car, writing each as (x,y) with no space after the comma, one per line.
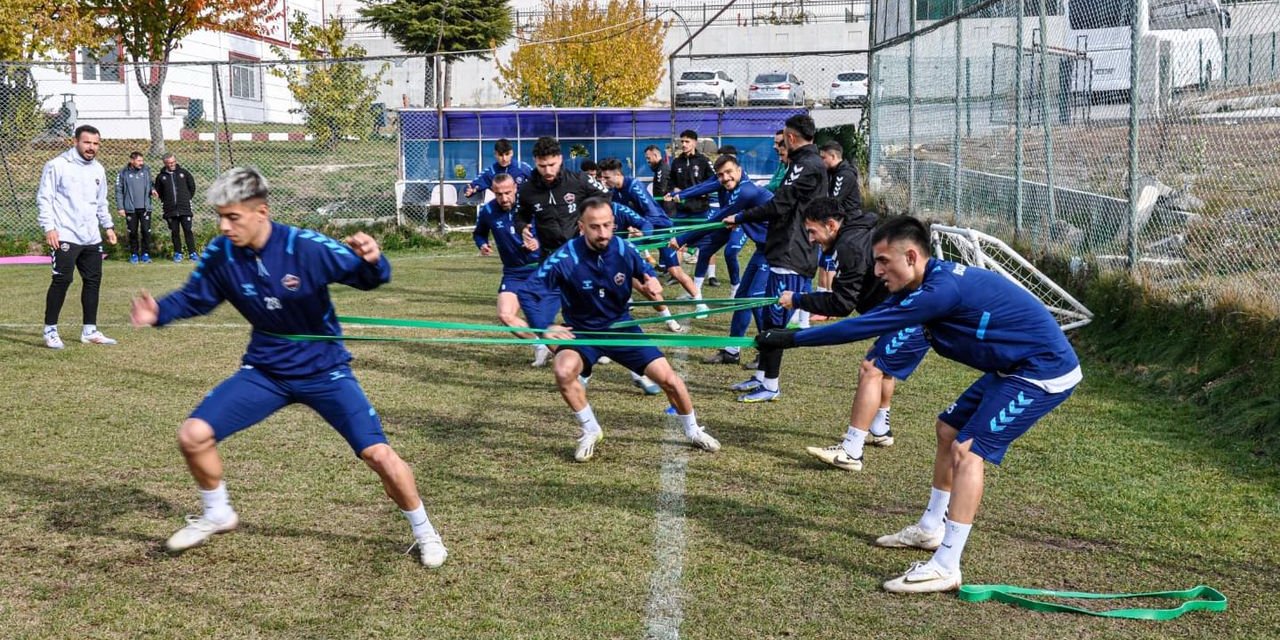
(706,87)
(849,88)
(776,87)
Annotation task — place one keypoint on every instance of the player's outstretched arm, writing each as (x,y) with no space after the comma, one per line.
(144,311)
(364,246)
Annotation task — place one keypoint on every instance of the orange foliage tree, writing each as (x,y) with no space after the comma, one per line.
(584,55)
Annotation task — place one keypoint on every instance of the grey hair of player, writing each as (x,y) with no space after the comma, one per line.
(237,185)
(502,178)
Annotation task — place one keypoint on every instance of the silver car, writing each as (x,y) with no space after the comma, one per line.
(776,87)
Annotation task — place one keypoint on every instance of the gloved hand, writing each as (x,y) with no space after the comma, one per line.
(776,339)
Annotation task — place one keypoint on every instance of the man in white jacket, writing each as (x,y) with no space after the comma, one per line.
(72,204)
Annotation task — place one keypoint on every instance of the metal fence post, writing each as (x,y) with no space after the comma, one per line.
(216,86)
(1019,201)
(968,97)
(911,120)
(955,128)
(1048,127)
(1134,97)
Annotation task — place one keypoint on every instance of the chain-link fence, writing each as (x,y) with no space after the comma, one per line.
(322,132)
(1019,118)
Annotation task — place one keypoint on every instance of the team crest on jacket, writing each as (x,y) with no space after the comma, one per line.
(618,278)
(569,198)
(291,282)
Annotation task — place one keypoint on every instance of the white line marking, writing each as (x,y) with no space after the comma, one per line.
(665,611)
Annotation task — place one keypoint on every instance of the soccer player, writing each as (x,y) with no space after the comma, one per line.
(504,164)
(792,260)
(977,318)
(689,168)
(277,277)
(518,263)
(847,238)
(547,216)
(594,274)
(737,194)
(731,240)
(632,193)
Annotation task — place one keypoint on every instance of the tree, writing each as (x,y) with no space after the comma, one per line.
(583,55)
(336,97)
(31,29)
(148,30)
(458,28)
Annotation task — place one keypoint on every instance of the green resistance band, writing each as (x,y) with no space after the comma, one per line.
(690,314)
(1199,598)
(667,234)
(647,341)
(689,302)
(485,328)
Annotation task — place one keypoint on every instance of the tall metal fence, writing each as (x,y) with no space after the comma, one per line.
(329,153)
(1121,134)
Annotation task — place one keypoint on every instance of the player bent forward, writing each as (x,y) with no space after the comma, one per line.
(593,273)
(277,276)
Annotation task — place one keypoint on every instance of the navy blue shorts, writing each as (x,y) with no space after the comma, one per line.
(249,396)
(995,410)
(667,258)
(515,282)
(776,315)
(633,358)
(827,262)
(898,354)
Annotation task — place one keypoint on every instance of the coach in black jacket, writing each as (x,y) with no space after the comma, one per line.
(176,187)
(842,178)
(550,199)
(688,169)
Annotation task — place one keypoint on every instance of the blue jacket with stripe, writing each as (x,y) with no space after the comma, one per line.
(594,286)
(281,289)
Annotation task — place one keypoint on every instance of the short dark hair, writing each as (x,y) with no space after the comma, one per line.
(135,154)
(903,228)
(546,147)
(595,202)
(802,124)
(823,209)
(723,160)
(86,128)
(502,146)
(653,147)
(779,132)
(832,147)
(689,133)
(588,165)
(611,164)
(727,150)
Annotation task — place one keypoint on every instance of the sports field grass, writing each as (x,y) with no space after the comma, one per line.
(1115,491)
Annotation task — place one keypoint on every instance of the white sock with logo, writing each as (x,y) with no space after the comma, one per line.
(89,329)
(419,522)
(689,423)
(880,425)
(948,555)
(587,419)
(853,440)
(217,504)
(936,511)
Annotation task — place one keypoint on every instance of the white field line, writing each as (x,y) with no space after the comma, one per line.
(665,609)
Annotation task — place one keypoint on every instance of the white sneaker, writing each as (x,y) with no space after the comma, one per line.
(885,440)
(704,441)
(702,310)
(674,326)
(913,536)
(52,339)
(924,577)
(604,360)
(198,530)
(836,456)
(431,551)
(96,338)
(649,387)
(540,357)
(587,445)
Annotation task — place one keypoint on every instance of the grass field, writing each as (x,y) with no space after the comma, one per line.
(1115,491)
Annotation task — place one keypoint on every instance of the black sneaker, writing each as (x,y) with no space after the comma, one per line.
(721,357)
(753,365)
(713,282)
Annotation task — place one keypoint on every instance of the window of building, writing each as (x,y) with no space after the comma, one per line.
(246,78)
(100,64)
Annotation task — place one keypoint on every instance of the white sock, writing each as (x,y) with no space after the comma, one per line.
(821,289)
(732,350)
(538,349)
(770,384)
(419,522)
(880,425)
(50,328)
(666,313)
(711,270)
(217,504)
(758,375)
(802,317)
(89,328)
(587,418)
(948,555)
(634,375)
(733,291)
(697,283)
(935,513)
(690,424)
(853,439)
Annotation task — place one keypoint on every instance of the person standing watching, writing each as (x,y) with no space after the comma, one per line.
(176,186)
(71,202)
(133,200)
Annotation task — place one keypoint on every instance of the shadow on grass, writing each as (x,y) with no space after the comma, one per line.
(83,507)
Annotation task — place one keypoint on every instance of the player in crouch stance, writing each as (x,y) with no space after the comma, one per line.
(277,277)
(978,318)
(593,274)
